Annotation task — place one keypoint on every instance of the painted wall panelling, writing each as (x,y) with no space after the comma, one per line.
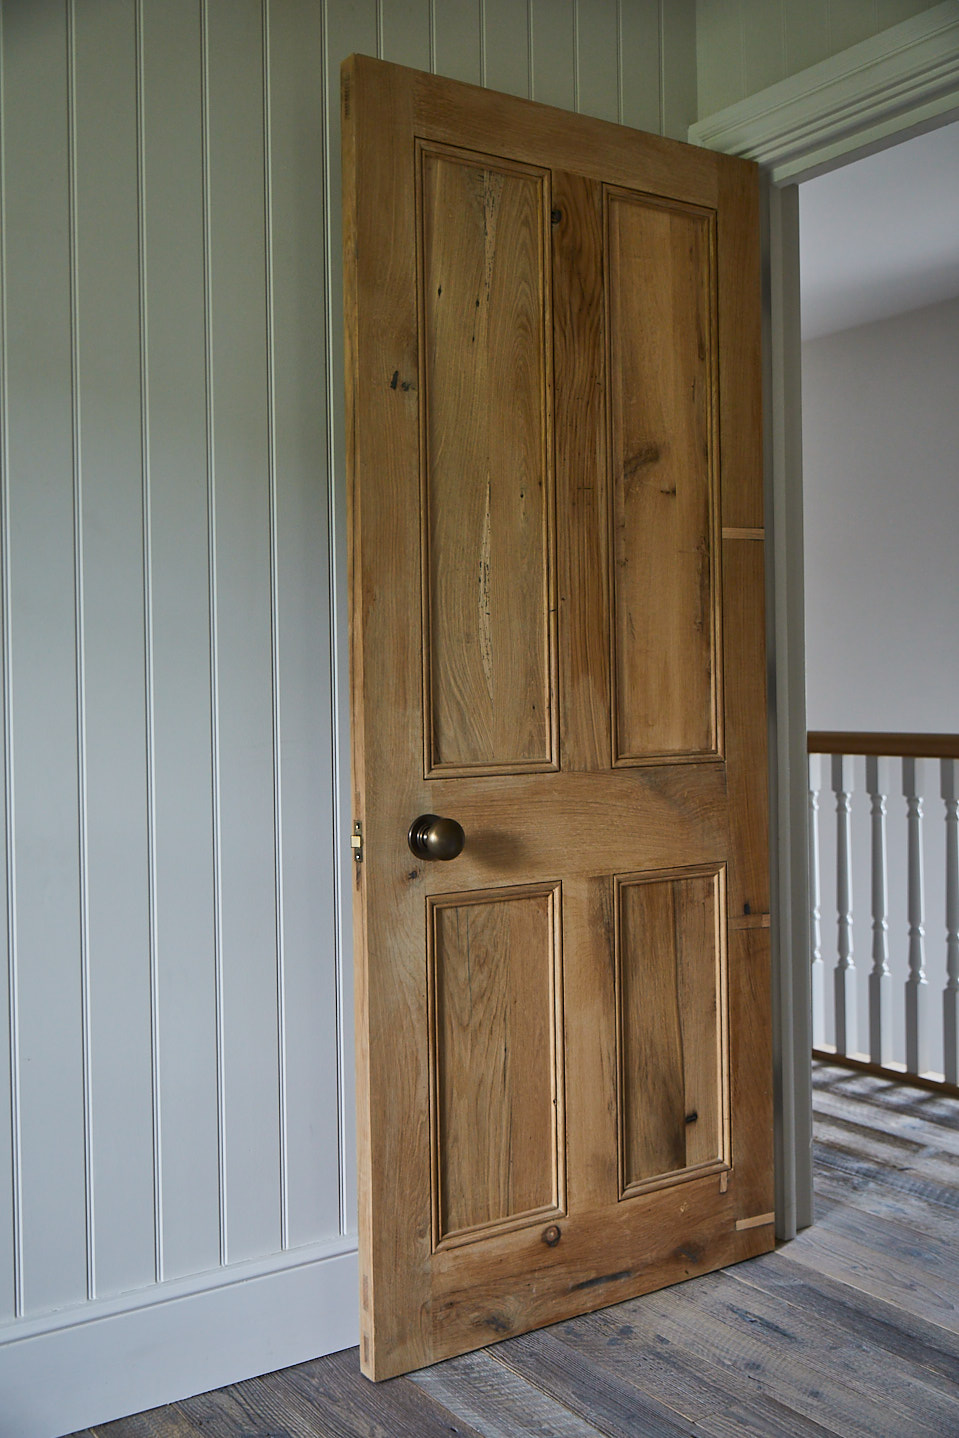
(167,579)
(45,788)
(315,1123)
(116,695)
(174,360)
(176,1036)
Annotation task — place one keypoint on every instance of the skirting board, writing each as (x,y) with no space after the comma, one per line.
(123,1360)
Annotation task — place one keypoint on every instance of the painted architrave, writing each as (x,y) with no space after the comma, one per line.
(870,96)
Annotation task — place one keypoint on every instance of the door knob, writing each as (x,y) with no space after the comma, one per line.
(431,837)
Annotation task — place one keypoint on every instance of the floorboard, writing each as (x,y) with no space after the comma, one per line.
(851,1330)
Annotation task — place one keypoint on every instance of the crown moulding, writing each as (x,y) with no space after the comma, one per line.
(902,81)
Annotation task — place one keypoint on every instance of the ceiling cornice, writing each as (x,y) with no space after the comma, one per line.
(899,82)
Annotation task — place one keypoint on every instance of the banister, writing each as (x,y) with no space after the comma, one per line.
(912,987)
(896,746)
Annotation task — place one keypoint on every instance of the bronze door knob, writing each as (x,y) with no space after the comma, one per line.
(431,837)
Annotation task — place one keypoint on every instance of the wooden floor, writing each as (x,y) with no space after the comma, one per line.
(851,1329)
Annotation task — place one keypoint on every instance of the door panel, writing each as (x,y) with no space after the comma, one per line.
(660,306)
(556,639)
(498,1133)
(487,475)
(670,965)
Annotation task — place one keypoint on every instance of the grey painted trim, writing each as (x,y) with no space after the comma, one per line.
(215,809)
(278,870)
(792,1023)
(149,706)
(13,987)
(80,654)
(211,1330)
(902,81)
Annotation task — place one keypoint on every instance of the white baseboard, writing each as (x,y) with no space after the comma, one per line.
(122,1356)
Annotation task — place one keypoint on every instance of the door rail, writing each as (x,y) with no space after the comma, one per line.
(883,1019)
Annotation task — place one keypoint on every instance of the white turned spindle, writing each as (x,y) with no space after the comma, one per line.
(949,775)
(917,989)
(817,967)
(878,784)
(844,977)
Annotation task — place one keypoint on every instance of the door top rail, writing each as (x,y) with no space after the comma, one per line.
(905,746)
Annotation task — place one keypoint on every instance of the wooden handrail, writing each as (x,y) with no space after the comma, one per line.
(896,746)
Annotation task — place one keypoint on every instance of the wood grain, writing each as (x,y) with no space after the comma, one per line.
(671,1023)
(907,746)
(485,373)
(595,1393)
(582,481)
(744,670)
(801,1371)
(499,1403)
(496,983)
(738,317)
(339,1402)
(772,1348)
(168,1422)
(662,381)
(706,1392)
(580,820)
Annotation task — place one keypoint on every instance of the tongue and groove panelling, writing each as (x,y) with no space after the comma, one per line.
(175,1004)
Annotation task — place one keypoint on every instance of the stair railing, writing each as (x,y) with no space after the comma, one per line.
(881,1016)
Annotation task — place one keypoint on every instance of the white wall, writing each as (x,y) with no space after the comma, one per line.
(881,522)
(175,1014)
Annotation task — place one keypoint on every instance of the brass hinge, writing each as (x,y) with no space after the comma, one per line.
(356,842)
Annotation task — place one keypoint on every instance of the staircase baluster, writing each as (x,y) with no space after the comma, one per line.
(917,988)
(878,784)
(949,788)
(844,976)
(818,968)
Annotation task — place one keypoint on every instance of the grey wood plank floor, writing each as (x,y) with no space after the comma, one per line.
(852,1329)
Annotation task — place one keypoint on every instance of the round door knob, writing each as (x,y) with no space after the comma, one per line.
(431,837)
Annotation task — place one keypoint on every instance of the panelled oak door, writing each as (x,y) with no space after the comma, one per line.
(563,1024)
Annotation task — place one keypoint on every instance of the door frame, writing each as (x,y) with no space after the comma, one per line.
(887,89)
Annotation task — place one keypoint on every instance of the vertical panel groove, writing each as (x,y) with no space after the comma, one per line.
(662,67)
(274,635)
(432,29)
(619,61)
(529,49)
(16,1175)
(335,688)
(482,41)
(77,460)
(576,77)
(379,29)
(214,656)
(148,657)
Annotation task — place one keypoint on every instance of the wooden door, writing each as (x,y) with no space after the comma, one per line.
(563,1034)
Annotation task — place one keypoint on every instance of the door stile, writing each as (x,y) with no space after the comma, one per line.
(393,1086)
